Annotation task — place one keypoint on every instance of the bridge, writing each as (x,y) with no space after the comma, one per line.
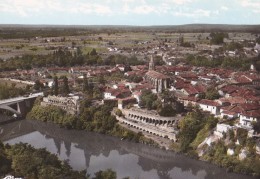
(19,105)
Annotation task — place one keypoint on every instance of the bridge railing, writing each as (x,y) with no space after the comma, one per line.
(20,98)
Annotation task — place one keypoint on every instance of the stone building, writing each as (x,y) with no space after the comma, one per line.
(150,122)
(159,81)
(69,104)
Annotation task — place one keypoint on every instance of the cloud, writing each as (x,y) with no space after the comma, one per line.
(254,5)
(144,9)
(30,7)
(224,8)
(250,3)
(179,2)
(194,14)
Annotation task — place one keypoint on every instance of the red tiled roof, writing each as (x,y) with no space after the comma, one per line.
(243,80)
(200,88)
(191,90)
(157,75)
(254,113)
(189,98)
(209,102)
(229,89)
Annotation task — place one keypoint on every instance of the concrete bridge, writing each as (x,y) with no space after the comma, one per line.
(19,105)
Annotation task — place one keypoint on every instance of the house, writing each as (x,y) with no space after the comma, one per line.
(228,114)
(211,106)
(192,90)
(247,117)
(227,90)
(186,100)
(221,129)
(111,93)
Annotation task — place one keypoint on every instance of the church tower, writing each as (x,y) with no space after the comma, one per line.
(151,64)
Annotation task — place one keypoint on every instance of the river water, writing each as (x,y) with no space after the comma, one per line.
(94,152)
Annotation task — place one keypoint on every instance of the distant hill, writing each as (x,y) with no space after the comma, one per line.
(12,31)
(210,28)
(175,28)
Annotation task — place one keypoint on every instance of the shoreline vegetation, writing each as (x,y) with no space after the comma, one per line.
(23,160)
(194,128)
(92,119)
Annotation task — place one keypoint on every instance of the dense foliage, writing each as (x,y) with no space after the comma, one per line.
(148,100)
(97,119)
(218,37)
(22,160)
(236,63)
(10,91)
(121,59)
(65,58)
(166,105)
(217,154)
(196,127)
(190,128)
(108,174)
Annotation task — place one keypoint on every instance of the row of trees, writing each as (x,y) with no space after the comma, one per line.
(65,58)
(64,89)
(226,62)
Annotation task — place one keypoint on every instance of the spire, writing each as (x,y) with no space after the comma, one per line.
(151,64)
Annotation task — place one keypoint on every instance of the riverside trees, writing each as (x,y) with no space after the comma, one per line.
(25,161)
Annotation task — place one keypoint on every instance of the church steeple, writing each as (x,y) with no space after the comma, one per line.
(151,64)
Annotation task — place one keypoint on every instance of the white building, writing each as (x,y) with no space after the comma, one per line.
(211,106)
(69,104)
(222,129)
(246,118)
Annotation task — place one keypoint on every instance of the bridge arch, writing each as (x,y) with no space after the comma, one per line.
(8,108)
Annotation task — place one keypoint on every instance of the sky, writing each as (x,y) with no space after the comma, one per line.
(129,12)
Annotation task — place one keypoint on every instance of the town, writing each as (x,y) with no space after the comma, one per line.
(185,91)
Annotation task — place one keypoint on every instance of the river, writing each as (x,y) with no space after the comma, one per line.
(94,152)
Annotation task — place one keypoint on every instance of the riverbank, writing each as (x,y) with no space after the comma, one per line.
(162,142)
(99,119)
(95,152)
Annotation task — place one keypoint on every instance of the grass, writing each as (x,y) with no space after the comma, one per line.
(10,83)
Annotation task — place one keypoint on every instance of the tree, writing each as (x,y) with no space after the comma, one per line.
(97,93)
(218,38)
(212,94)
(258,40)
(38,85)
(189,127)
(101,80)
(148,99)
(85,83)
(56,86)
(256,126)
(108,174)
(66,89)
(93,52)
(167,111)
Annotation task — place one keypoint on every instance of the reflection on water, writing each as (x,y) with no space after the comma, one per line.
(94,152)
